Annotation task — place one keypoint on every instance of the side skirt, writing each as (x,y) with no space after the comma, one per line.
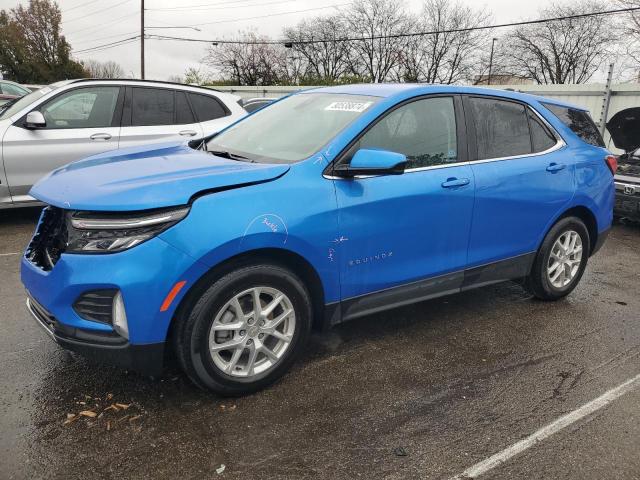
(370,303)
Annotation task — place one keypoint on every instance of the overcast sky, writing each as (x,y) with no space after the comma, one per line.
(89,23)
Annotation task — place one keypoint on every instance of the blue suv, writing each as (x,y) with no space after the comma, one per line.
(325,206)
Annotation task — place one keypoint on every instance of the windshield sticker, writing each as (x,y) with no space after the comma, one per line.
(44,91)
(357,107)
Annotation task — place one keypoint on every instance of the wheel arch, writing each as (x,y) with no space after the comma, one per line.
(587,217)
(275,256)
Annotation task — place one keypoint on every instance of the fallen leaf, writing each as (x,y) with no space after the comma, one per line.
(71,417)
(220,469)
(108,426)
(112,407)
(123,418)
(133,419)
(123,406)
(88,413)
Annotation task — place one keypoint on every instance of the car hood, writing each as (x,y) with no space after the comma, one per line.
(624,128)
(151,176)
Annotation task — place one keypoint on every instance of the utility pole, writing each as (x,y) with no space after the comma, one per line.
(142,39)
(493,42)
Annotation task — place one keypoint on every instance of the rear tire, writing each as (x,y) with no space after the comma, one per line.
(225,345)
(560,261)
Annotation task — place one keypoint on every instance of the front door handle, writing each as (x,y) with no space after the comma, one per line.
(455,182)
(100,136)
(555,167)
(188,133)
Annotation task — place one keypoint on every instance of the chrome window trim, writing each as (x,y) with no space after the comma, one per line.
(560,144)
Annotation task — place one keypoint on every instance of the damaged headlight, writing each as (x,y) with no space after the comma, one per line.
(109,232)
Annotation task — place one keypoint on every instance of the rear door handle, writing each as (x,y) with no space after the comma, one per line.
(100,136)
(188,133)
(556,167)
(455,182)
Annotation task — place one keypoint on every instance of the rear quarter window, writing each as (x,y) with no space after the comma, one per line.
(206,107)
(580,123)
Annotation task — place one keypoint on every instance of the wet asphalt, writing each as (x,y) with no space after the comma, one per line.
(446,382)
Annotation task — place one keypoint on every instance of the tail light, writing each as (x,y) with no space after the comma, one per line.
(612,163)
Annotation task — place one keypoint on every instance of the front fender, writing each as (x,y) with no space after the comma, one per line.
(296,213)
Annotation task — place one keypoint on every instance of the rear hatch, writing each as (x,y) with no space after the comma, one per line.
(624,128)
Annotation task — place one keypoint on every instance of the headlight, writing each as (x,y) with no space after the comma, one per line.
(108,232)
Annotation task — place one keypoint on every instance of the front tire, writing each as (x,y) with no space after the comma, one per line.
(244,331)
(560,261)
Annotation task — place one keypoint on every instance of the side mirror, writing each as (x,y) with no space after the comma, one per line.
(34,120)
(373,162)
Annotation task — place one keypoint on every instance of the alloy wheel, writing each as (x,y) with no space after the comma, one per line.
(252,331)
(564,259)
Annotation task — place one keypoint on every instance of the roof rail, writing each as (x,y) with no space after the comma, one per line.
(80,80)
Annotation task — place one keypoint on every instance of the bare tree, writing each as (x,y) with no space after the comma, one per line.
(630,28)
(108,69)
(317,41)
(372,57)
(249,63)
(451,53)
(562,51)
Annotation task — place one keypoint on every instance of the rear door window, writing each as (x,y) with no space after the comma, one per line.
(579,121)
(502,129)
(183,110)
(152,106)
(206,107)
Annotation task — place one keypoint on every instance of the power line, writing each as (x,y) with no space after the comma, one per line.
(269,15)
(107,37)
(96,11)
(288,42)
(108,45)
(102,25)
(375,37)
(79,6)
(224,7)
(202,5)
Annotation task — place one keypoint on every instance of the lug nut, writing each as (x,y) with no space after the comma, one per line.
(262,323)
(250,321)
(242,333)
(249,342)
(261,335)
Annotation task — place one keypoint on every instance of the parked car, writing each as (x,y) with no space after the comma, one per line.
(11,90)
(73,119)
(329,205)
(253,104)
(624,128)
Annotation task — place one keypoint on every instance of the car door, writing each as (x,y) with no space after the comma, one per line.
(524,178)
(80,122)
(409,230)
(212,114)
(153,115)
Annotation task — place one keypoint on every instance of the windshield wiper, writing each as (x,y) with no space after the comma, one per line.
(229,155)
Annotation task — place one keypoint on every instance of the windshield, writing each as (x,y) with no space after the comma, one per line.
(8,110)
(292,129)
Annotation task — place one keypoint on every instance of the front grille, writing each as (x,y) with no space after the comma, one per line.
(96,305)
(50,239)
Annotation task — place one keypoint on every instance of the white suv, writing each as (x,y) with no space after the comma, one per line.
(70,120)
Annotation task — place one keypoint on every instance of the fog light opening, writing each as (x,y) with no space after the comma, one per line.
(120,316)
